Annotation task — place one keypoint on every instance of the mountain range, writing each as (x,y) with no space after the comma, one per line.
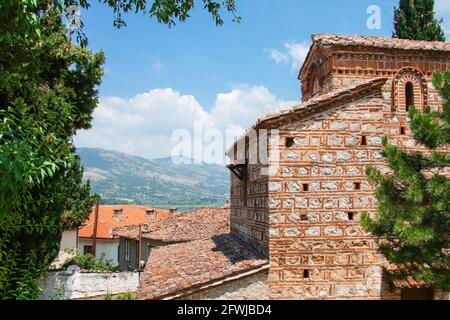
(120,178)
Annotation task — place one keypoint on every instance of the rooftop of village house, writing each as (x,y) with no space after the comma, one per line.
(181,268)
(114,216)
(207,252)
(202,223)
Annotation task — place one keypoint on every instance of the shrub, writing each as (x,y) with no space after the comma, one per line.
(125,296)
(90,263)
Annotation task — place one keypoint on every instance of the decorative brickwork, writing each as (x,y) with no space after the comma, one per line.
(249,220)
(413,77)
(315,194)
(317,247)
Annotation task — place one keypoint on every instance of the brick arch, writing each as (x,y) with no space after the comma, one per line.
(315,78)
(401,79)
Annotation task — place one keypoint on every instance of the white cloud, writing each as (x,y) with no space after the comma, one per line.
(143,125)
(278,56)
(243,105)
(296,53)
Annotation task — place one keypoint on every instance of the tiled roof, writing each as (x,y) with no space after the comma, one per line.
(402,277)
(199,224)
(329,98)
(314,105)
(173,269)
(107,222)
(402,274)
(379,42)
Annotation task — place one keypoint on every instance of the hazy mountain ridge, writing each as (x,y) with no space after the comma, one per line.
(123,178)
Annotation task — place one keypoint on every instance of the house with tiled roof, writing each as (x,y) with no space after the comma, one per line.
(142,239)
(109,217)
(194,256)
(220,267)
(201,223)
(301,205)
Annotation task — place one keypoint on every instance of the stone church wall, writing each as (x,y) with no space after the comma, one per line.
(318,249)
(318,190)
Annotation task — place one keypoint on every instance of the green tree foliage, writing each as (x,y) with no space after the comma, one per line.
(167,12)
(170,11)
(413,218)
(414,19)
(47,92)
(88,262)
(76,196)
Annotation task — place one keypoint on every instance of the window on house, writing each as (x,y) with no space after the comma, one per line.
(409,94)
(305,187)
(118,214)
(306,274)
(303,217)
(409,89)
(357,185)
(127,250)
(402,131)
(290,142)
(351,216)
(87,250)
(364,141)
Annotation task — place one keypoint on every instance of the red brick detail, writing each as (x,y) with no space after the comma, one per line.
(399,83)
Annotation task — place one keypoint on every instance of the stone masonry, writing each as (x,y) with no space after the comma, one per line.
(254,287)
(303,211)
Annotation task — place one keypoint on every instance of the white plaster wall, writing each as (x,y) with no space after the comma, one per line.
(75,285)
(108,247)
(68,241)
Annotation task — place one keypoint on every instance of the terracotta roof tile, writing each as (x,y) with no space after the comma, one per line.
(379,42)
(175,268)
(402,277)
(202,223)
(107,222)
(329,97)
(314,104)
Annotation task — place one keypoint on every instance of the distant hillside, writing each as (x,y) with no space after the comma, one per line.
(122,178)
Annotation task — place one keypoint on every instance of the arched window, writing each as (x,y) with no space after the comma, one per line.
(409,95)
(316,86)
(315,79)
(409,89)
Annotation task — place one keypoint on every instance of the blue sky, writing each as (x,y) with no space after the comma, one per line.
(207,73)
(201,59)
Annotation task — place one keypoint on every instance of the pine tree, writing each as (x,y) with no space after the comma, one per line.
(413,217)
(414,20)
